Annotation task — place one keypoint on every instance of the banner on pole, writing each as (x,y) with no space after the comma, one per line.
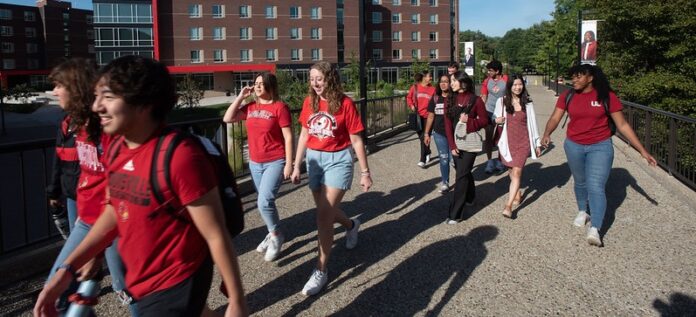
(469,61)
(588,40)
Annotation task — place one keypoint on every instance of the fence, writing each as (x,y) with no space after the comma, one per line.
(669,137)
(24,218)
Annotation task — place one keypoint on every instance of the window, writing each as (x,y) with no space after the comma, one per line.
(377,54)
(396,18)
(244,11)
(396,54)
(89,19)
(433,3)
(6,30)
(396,2)
(415,2)
(432,36)
(196,56)
(315,13)
(415,18)
(32,48)
(8,63)
(7,47)
(376,36)
(271,12)
(415,53)
(433,53)
(396,36)
(339,16)
(415,36)
(433,19)
(295,12)
(219,33)
(129,13)
(32,63)
(315,34)
(296,54)
(245,55)
(195,34)
(5,14)
(194,10)
(376,17)
(29,16)
(218,11)
(271,33)
(245,34)
(30,32)
(295,33)
(377,2)
(219,56)
(271,55)
(316,54)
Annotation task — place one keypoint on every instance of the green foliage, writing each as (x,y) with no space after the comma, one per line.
(292,91)
(190,92)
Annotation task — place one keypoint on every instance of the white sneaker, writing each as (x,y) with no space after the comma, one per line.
(261,248)
(421,164)
(451,222)
(316,282)
(581,219)
(444,188)
(274,244)
(427,159)
(593,237)
(489,167)
(352,234)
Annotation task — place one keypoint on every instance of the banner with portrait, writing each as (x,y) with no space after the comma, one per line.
(469,61)
(588,42)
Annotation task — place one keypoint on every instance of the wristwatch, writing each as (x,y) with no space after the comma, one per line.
(68,268)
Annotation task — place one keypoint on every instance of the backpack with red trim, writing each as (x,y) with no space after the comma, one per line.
(161,183)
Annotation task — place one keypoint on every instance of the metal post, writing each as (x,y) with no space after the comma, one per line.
(558,65)
(579,37)
(363,79)
(2,109)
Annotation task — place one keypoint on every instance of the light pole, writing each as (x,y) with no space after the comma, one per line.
(558,64)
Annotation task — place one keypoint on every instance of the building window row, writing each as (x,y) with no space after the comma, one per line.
(123,37)
(246,33)
(105,57)
(245,11)
(122,13)
(432,3)
(247,55)
(9,47)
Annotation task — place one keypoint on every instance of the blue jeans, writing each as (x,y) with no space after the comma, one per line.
(590,166)
(445,155)
(71,207)
(267,178)
(113,260)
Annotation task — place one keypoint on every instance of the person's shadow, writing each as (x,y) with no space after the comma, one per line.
(619,181)
(410,286)
(679,304)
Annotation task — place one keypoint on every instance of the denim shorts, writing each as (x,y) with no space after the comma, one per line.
(332,169)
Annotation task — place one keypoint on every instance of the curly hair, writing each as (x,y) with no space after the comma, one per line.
(524,95)
(333,91)
(78,75)
(141,82)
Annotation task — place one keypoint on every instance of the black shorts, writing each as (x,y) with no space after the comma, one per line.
(188,298)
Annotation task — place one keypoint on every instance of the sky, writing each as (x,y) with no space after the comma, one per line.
(491,17)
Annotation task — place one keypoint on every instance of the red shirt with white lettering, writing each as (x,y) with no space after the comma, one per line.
(158,250)
(330,132)
(589,123)
(422,95)
(91,186)
(264,124)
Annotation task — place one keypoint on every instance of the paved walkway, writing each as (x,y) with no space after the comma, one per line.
(409,263)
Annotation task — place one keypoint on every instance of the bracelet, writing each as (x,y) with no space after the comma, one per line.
(68,268)
(365,173)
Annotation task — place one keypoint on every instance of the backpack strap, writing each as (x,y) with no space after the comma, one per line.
(160,171)
(568,98)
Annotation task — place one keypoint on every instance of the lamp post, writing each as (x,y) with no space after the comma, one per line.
(558,65)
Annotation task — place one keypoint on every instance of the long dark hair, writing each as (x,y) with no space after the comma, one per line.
(524,95)
(420,75)
(600,83)
(78,75)
(439,91)
(453,111)
(270,84)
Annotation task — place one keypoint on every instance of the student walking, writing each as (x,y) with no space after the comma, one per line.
(462,106)
(270,151)
(330,126)
(169,256)
(593,109)
(418,97)
(82,172)
(492,88)
(436,125)
(519,137)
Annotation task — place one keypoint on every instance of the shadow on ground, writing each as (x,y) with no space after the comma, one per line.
(679,305)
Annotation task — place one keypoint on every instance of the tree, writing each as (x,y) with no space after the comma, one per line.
(291,90)
(190,92)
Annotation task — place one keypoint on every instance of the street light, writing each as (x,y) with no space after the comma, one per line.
(558,65)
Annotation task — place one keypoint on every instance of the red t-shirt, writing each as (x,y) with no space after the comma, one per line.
(157,249)
(91,186)
(330,132)
(589,123)
(422,98)
(265,137)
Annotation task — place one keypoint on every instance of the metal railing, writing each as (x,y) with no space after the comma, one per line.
(24,218)
(669,137)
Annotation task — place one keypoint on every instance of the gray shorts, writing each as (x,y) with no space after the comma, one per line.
(332,169)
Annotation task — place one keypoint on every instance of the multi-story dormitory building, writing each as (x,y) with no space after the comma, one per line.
(225,42)
(33,39)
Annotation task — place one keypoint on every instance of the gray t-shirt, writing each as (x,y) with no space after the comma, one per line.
(496,89)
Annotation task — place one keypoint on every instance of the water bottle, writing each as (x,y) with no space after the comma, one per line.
(86,297)
(60,219)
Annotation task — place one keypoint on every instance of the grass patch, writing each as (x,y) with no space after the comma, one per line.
(188,114)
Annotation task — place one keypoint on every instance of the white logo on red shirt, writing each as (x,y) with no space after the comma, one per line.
(88,156)
(129,166)
(595,103)
(261,114)
(321,125)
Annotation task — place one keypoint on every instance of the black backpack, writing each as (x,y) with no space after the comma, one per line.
(160,180)
(605,103)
